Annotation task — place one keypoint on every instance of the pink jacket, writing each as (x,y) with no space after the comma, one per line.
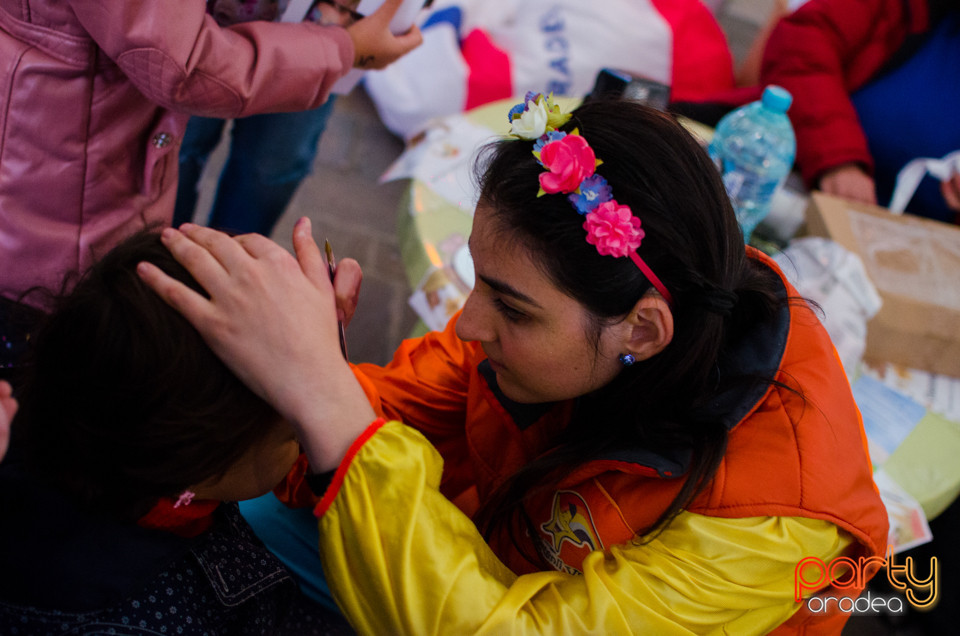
(94,98)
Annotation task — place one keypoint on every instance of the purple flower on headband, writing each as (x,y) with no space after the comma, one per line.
(523,106)
(594,190)
(516,111)
(613,229)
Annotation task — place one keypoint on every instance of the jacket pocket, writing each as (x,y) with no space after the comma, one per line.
(11,53)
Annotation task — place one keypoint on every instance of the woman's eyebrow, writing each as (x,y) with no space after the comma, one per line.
(505,289)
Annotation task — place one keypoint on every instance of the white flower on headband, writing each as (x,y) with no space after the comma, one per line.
(535,116)
(531,123)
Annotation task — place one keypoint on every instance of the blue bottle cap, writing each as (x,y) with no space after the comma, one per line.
(777,98)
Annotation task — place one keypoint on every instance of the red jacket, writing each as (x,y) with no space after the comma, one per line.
(823,52)
(788,454)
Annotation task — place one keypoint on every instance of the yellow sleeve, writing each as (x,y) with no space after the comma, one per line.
(401,559)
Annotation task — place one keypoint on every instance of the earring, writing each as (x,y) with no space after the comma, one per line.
(626,359)
(185,498)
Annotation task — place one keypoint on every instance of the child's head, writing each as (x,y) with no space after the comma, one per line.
(691,242)
(123,402)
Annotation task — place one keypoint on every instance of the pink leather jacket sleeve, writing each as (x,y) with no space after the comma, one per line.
(177,56)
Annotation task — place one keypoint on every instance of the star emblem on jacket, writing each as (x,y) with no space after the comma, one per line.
(570,533)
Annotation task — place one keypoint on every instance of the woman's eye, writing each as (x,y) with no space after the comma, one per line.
(508,312)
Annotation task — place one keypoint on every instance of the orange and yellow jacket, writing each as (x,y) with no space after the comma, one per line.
(403,557)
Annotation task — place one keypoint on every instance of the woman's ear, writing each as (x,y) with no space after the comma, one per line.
(651,326)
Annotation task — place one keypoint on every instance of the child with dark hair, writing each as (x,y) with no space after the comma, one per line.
(130,438)
(633,426)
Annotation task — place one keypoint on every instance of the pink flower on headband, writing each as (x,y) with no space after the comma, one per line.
(569,160)
(613,229)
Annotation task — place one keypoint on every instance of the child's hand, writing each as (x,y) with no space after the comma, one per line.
(8,408)
(851,182)
(374,44)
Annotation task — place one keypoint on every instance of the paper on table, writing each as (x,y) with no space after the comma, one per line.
(925,464)
(908,525)
(888,416)
(939,393)
(436,299)
(443,160)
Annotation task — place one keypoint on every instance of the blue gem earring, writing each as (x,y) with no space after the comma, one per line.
(626,359)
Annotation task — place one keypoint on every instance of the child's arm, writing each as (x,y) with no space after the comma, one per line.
(177,55)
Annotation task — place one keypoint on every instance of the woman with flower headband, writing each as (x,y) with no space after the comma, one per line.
(632,426)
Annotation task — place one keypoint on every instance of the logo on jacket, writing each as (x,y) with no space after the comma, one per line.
(570,534)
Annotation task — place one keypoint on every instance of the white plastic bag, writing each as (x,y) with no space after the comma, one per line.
(910,176)
(834,277)
(555,46)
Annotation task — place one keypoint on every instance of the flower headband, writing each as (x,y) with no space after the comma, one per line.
(571,169)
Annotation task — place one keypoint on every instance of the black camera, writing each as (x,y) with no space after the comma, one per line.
(615,83)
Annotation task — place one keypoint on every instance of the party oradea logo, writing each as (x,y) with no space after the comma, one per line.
(919,586)
(570,534)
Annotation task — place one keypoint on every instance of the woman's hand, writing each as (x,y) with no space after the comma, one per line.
(272,319)
(8,408)
(849,181)
(374,44)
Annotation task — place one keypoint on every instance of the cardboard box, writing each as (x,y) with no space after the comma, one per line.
(915,265)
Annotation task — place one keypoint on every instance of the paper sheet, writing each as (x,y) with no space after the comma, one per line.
(938,393)
(908,525)
(888,416)
(444,160)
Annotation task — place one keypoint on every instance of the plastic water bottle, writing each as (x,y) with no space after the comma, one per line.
(754,148)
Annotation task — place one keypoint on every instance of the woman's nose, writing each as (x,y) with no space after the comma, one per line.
(474,323)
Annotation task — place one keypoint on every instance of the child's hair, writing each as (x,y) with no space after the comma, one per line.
(122,402)
(695,246)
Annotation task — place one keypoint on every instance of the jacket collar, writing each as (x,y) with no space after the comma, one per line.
(523,415)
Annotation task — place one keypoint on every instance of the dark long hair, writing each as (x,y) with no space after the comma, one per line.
(692,242)
(122,402)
